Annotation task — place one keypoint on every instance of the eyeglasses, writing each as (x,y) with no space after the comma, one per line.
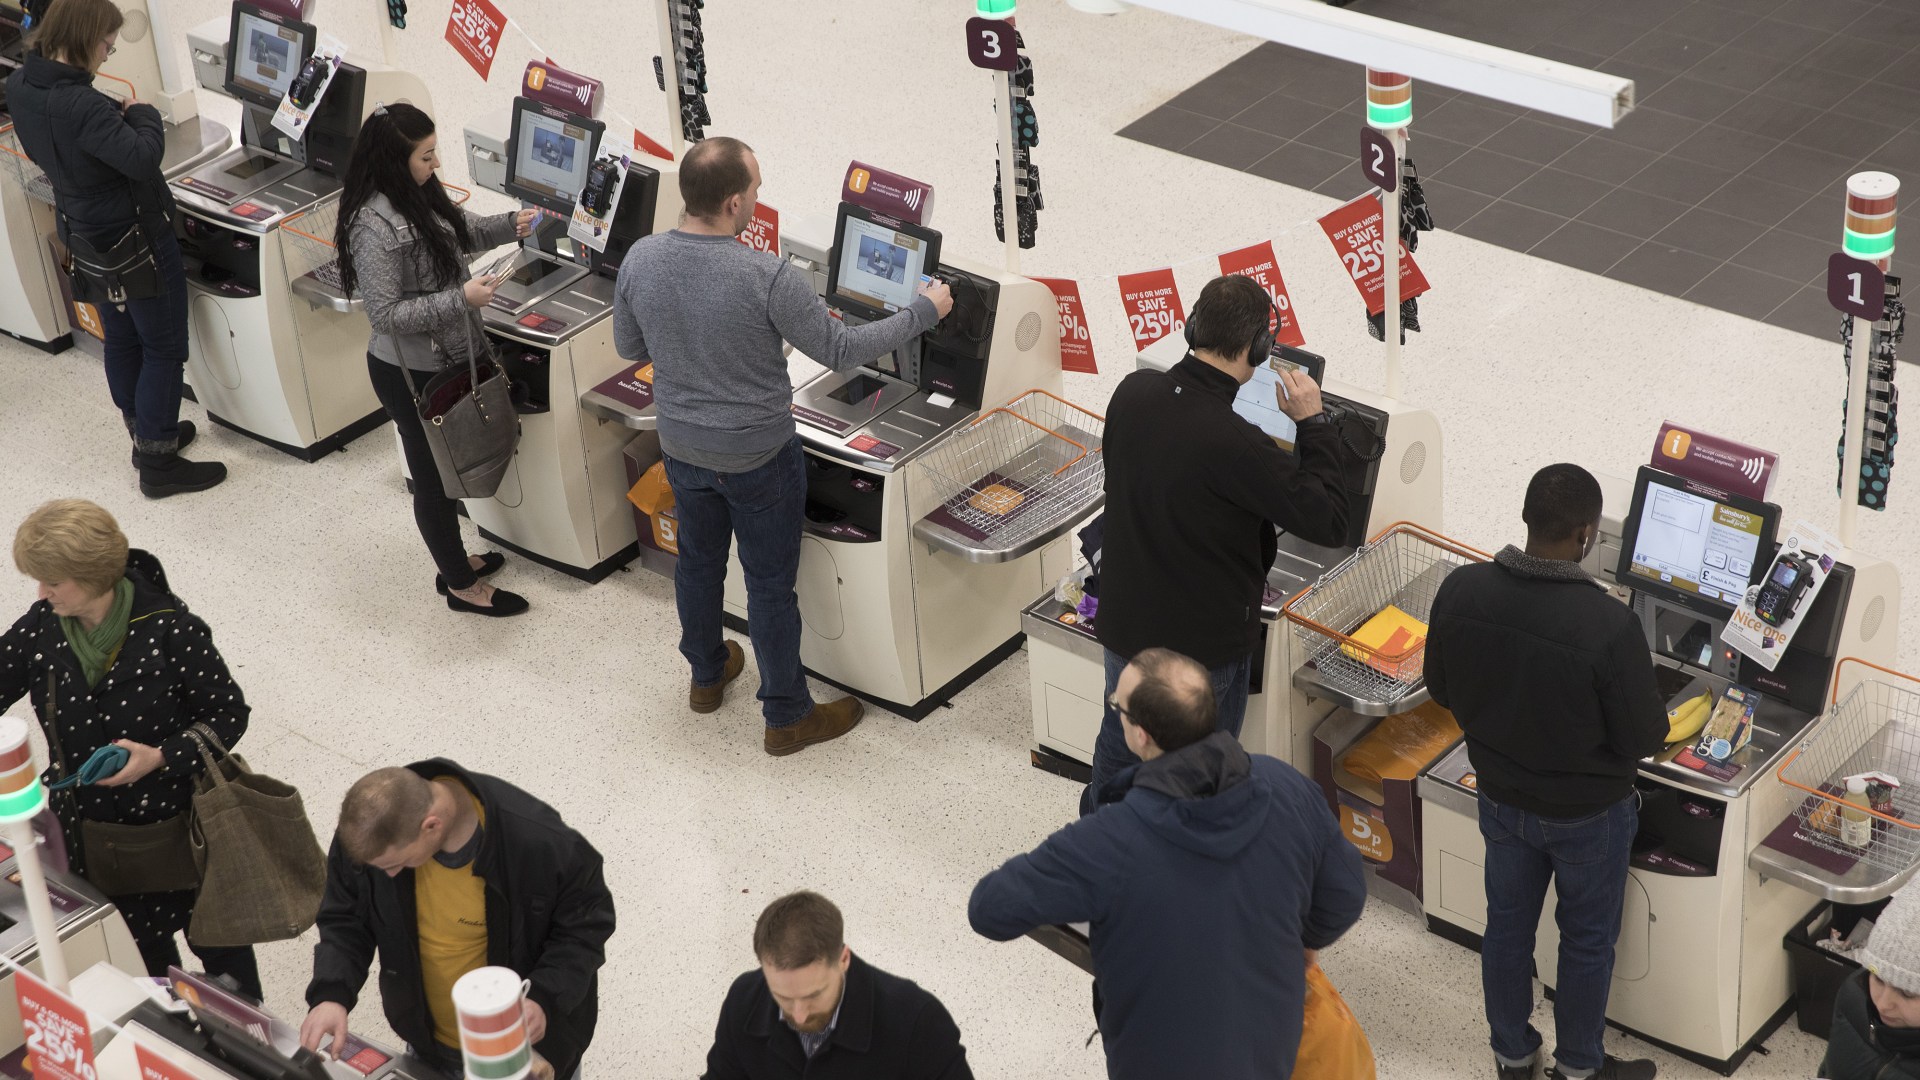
(111,49)
(1113,702)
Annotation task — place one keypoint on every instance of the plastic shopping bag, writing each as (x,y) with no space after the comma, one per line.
(1332,1046)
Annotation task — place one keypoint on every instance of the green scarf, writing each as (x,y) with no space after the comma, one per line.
(96,648)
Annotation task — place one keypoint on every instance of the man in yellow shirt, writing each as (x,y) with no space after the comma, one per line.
(441,871)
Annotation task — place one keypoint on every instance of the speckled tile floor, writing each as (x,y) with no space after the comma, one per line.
(321,597)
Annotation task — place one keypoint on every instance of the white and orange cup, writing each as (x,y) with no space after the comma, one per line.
(493,1030)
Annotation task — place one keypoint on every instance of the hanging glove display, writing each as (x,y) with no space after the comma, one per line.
(1027,202)
(1883,401)
(397,13)
(1415,218)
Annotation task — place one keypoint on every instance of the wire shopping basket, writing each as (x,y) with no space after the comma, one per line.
(1875,728)
(309,248)
(1402,566)
(1028,467)
(21,170)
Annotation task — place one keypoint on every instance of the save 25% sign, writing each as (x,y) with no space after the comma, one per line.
(58,1040)
(473,29)
(1152,303)
(1354,229)
(1076,337)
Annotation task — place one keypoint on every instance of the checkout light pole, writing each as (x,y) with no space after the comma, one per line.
(22,796)
(1390,109)
(1867,235)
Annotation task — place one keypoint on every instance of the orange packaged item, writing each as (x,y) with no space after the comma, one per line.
(1395,643)
(654,496)
(1332,1044)
(1403,744)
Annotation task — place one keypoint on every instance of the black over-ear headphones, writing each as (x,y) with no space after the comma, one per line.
(1261,347)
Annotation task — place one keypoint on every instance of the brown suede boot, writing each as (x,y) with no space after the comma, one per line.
(823,722)
(705,699)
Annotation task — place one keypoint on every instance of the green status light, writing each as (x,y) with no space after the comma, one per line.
(994,9)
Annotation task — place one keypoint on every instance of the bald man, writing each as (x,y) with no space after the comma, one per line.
(1210,877)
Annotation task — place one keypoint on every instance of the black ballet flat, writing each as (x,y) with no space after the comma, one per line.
(504,604)
(490,564)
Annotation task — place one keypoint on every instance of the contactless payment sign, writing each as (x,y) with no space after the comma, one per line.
(1259,263)
(1721,464)
(59,1043)
(1076,337)
(763,232)
(473,29)
(1153,306)
(1355,231)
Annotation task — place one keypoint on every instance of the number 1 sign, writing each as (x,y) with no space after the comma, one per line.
(1856,287)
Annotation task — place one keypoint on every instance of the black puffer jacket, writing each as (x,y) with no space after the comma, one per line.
(167,678)
(102,161)
(549,915)
(1862,1046)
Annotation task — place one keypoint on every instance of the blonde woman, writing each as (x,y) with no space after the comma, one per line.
(112,658)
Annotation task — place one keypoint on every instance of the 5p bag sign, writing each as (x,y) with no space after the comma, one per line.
(473,29)
(1354,229)
(1153,306)
(59,1042)
(1259,263)
(1076,337)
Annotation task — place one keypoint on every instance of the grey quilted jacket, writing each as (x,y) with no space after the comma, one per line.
(416,317)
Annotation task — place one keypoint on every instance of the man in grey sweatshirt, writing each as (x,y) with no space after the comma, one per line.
(711,313)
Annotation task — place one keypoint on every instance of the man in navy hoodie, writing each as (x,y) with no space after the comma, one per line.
(1209,876)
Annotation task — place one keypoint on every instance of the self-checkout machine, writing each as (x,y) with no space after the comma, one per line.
(35,306)
(1400,446)
(1700,967)
(562,502)
(275,351)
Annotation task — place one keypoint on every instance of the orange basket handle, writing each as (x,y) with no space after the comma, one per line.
(1845,660)
(1346,640)
(132,95)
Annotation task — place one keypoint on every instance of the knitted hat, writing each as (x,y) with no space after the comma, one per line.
(1892,951)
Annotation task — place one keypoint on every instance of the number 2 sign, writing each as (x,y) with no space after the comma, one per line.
(1378,160)
(990,44)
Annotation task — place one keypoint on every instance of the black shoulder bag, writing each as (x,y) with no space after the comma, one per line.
(125,270)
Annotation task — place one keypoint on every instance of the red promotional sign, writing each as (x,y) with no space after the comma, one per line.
(473,29)
(59,1042)
(1721,464)
(1354,229)
(1153,306)
(1259,263)
(1076,337)
(154,1067)
(648,146)
(763,233)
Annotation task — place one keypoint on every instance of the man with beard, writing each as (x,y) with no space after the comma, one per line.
(813,1008)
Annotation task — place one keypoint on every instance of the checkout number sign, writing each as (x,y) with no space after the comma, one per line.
(473,29)
(1153,306)
(58,1040)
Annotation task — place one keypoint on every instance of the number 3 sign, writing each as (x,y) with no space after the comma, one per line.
(990,44)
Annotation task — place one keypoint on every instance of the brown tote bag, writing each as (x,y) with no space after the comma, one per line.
(261,869)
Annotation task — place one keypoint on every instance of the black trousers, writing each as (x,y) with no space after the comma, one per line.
(160,953)
(436,515)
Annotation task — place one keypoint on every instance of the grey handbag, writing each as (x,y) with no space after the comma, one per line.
(470,423)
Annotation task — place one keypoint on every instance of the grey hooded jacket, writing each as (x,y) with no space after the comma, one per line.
(415,316)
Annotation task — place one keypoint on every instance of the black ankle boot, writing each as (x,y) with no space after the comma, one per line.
(187,433)
(162,475)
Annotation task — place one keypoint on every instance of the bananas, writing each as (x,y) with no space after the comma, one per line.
(1685,721)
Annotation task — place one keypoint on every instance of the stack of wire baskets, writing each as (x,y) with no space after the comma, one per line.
(1402,566)
(1875,728)
(309,247)
(1021,470)
(22,171)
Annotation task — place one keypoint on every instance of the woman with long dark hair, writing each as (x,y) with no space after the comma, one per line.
(103,158)
(403,247)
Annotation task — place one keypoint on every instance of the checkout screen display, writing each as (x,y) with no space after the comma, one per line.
(879,267)
(553,156)
(1692,543)
(268,56)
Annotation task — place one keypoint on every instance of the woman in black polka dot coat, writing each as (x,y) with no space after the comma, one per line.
(167,677)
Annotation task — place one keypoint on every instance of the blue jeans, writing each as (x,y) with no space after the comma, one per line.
(1587,860)
(763,510)
(1110,753)
(146,352)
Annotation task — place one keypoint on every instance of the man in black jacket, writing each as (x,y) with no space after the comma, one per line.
(1194,493)
(443,871)
(1552,683)
(814,1009)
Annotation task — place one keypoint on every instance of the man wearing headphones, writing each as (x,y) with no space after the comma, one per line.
(1194,496)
